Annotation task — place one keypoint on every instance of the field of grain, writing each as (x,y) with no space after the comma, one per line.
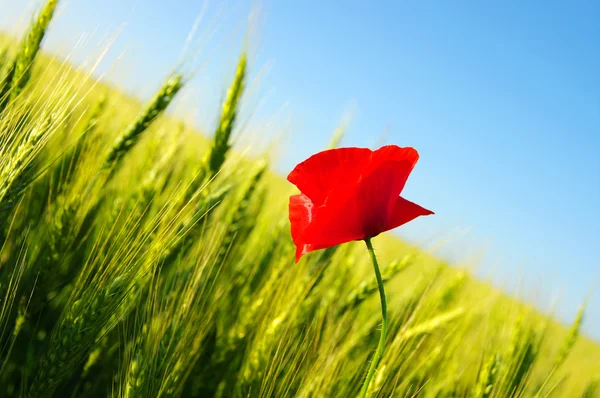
(141,258)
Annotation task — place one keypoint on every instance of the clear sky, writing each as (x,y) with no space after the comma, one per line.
(502,100)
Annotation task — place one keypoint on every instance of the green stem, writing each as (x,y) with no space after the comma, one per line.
(384,316)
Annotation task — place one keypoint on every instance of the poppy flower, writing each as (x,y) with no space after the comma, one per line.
(350,194)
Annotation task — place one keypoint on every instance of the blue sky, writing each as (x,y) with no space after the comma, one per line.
(502,100)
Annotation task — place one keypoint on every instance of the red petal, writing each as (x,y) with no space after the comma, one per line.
(405,211)
(377,194)
(330,170)
(405,158)
(335,223)
(382,184)
(302,249)
(395,152)
(302,212)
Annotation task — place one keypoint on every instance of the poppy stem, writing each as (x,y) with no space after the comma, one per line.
(384,321)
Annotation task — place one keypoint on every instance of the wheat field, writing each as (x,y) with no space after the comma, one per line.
(142,258)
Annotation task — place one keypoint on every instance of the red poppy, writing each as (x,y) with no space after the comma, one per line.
(350,194)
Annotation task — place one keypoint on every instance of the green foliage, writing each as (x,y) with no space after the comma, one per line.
(133,133)
(140,259)
(570,339)
(487,377)
(592,389)
(19,73)
(16,173)
(221,144)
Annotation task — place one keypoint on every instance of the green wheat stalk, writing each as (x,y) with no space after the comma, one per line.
(20,73)
(127,140)
(221,142)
